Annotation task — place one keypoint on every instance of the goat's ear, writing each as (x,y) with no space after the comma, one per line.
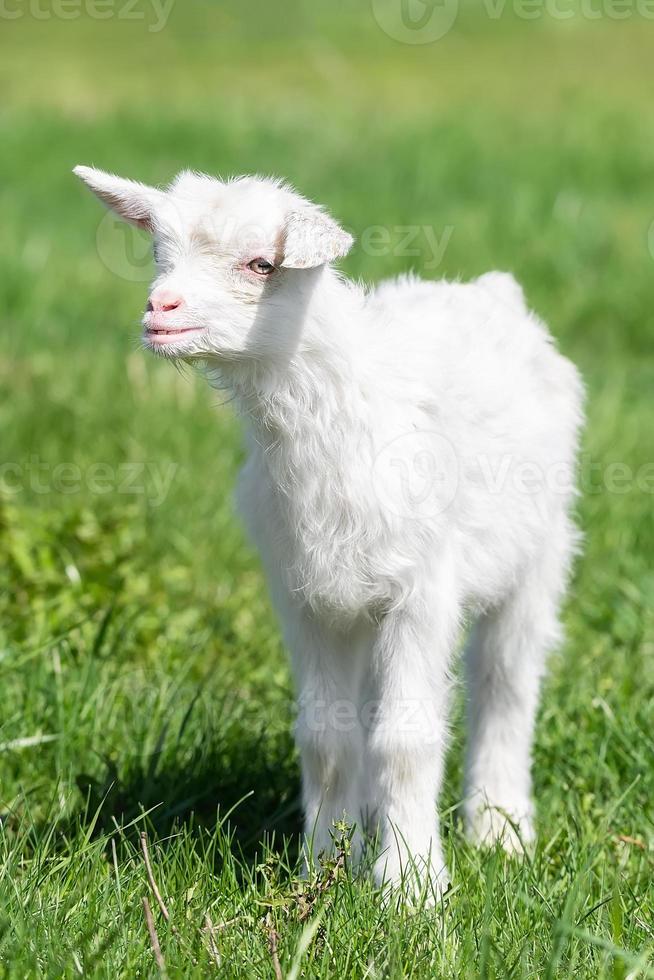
(133,202)
(312,238)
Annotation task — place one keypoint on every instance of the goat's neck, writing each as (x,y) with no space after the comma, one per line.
(320,382)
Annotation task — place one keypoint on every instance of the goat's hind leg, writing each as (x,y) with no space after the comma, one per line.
(505,662)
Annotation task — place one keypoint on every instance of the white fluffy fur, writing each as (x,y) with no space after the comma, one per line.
(411,458)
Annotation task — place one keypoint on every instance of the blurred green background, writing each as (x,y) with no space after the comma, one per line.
(140,664)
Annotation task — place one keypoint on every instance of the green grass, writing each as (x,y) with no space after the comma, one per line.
(143,682)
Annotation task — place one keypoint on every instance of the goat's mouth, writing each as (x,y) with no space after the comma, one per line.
(157,335)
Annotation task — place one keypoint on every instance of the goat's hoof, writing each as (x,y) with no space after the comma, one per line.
(414,885)
(512,828)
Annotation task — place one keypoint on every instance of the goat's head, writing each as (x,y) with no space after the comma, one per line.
(234,260)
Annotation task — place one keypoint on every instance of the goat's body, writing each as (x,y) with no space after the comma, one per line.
(458,373)
(412,456)
(420,469)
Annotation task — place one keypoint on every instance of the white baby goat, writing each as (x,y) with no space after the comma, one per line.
(411,460)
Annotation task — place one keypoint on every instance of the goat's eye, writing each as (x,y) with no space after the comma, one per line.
(261,266)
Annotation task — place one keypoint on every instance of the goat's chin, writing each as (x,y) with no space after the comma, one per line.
(176,350)
(170,353)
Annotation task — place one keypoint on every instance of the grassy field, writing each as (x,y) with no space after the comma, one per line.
(143,686)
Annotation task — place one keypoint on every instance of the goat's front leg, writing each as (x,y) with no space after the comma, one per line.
(406,741)
(328,665)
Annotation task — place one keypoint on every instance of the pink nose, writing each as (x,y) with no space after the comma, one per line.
(164,301)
